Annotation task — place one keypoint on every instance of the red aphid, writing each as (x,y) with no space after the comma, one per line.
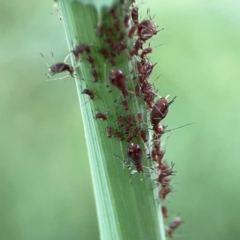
(138,44)
(121,37)
(80,49)
(126,20)
(139,117)
(101,116)
(132,31)
(118,79)
(127,129)
(125,104)
(99,28)
(164,173)
(134,15)
(137,90)
(165,182)
(61,67)
(112,61)
(109,132)
(164,191)
(146,29)
(173,225)
(109,41)
(134,153)
(117,25)
(144,135)
(113,13)
(132,53)
(119,136)
(160,110)
(130,119)
(145,51)
(103,52)
(136,131)
(95,75)
(120,121)
(91,61)
(110,31)
(89,93)
(164,211)
(129,138)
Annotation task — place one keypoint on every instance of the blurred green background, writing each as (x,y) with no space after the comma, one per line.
(45,186)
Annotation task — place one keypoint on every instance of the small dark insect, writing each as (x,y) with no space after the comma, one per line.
(95,75)
(103,52)
(121,36)
(109,132)
(134,15)
(164,211)
(173,225)
(120,121)
(80,49)
(130,119)
(126,19)
(125,104)
(99,28)
(138,44)
(117,25)
(119,136)
(132,31)
(134,154)
(144,135)
(118,79)
(129,138)
(59,68)
(101,116)
(91,61)
(164,173)
(139,117)
(135,131)
(164,191)
(146,29)
(145,51)
(137,90)
(160,110)
(127,129)
(113,62)
(89,93)
(113,13)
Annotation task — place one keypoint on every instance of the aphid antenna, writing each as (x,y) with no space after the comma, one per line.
(44,59)
(166,131)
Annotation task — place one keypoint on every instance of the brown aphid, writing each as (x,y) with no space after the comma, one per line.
(125,104)
(130,119)
(80,49)
(118,79)
(113,62)
(119,136)
(126,20)
(103,52)
(89,93)
(117,25)
(95,75)
(145,51)
(91,61)
(137,90)
(134,153)
(121,36)
(165,182)
(164,211)
(99,28)
(120,121)
(144,135)
(160,110)
(113,13)
(164,173)
(129,138)
(146,29)
(132,31)
(109,132)
(136,131)
(139,117)
(61,67)
(134,15)
(127,129)
(173,225)
(138,44)
(101,116)
(164,191)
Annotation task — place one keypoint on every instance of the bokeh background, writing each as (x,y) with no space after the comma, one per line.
(45,184)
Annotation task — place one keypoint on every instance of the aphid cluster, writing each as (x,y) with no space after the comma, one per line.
(123,37)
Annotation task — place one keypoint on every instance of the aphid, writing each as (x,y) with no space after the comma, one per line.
(121,36)
(120,121)
(134,154)
(134,15)
(164,211)
(91,61)
(80,49)
(109,132)
(135,131)
(132,53)
(127,129)
(103,52)
(113,13)
(95,75)
(138,44)
(157,156)
(126,19)
(144,135)
(59,68)
(117,25)
(137,90)
(164,191)
(145,51)
(119,47)
(164,173)
(125,104)
(113,62)
(118,79)
(146,29)
(165,182)
(109,41)
(110,31)
(173,225)
(130,119)
(89,93)
(119,136)
(129,138)
(99,28)
(139,117)
(101,116)
(132,31)
(160,110)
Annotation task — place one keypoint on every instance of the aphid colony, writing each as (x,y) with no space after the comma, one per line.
(129,127)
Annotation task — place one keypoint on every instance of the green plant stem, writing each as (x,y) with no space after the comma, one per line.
(127,208)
